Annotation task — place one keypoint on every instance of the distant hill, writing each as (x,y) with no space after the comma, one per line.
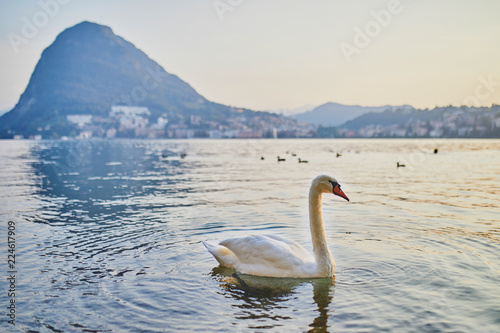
(87,70)
(294,111)
(334,114)
(444,122)
(392,117)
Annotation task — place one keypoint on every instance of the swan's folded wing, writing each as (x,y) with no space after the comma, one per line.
(268,250)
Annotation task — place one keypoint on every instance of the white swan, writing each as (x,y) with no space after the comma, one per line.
(276,256)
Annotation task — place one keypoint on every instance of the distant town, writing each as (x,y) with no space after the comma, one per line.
(446,122)
(135,122)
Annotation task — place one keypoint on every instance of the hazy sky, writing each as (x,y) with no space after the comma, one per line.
(264,54)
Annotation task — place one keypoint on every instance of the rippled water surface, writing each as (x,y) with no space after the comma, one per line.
(108,235)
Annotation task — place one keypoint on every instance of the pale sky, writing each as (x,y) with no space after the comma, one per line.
(283,54)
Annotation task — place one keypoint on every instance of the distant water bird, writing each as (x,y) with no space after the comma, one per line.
(399,165)
(164,155)
(281,159)
(339,154)
(303,161)
(183,155)
(293,154)
(435,150)
(276,256)
(262,158)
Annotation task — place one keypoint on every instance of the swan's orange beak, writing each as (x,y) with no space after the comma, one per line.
(339,192)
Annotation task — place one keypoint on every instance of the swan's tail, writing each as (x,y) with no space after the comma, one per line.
(224,256)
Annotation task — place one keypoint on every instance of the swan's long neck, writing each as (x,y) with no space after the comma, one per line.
(321,251)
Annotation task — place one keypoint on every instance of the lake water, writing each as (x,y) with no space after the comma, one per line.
(108,235)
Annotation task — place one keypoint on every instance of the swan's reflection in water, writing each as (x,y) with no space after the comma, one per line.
(261,298)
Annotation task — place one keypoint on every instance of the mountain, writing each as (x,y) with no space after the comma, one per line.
(334,114)
(86,71)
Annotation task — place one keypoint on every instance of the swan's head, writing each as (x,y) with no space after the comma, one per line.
(327,184)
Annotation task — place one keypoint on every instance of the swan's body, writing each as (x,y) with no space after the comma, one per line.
(276,256)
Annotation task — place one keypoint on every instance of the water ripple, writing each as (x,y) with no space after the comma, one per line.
(110,234)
